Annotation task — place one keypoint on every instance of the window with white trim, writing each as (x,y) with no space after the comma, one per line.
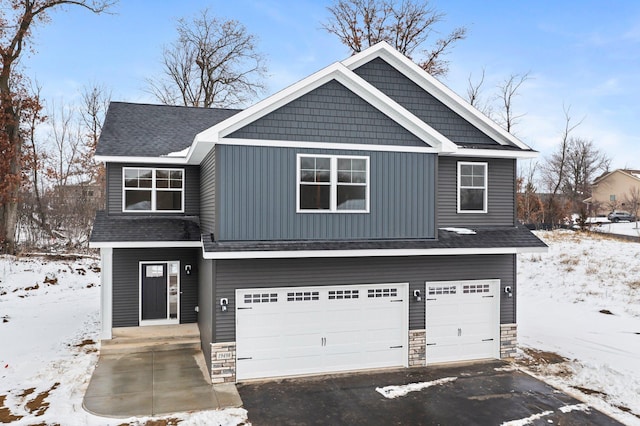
(332,183)
(152,190)
(472,187)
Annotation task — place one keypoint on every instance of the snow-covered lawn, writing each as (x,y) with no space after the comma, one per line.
(49,322)
(581,300)
(620,228)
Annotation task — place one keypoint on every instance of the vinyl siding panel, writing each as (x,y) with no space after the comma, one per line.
(126,282)
(208,192)
(115,192)
(256,197)
(330,113)
(234,274)
(501,194)
(205,305)
(422,104)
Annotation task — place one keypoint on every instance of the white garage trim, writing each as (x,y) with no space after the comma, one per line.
(462,320)
(288,331)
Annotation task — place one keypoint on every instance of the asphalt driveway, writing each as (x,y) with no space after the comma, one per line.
(478,394)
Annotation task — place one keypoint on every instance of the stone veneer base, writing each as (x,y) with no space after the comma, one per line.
(223,362)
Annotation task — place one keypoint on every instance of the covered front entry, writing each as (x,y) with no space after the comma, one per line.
(306,330)
(159,293)
(462,320)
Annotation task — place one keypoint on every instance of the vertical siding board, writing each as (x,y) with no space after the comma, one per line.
(208,193)
(259,197)
(126,282)
(501,187)
(234,274)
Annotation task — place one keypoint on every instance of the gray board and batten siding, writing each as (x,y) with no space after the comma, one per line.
(501,205)
(422,104)
(191,188)
(330,113)
(256,197)
(208,183)
(126,282)
(230,275)
(205,307)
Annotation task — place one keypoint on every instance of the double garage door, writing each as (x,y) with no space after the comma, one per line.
(292,331)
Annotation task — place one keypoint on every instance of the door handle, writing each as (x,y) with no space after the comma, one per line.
(459,332)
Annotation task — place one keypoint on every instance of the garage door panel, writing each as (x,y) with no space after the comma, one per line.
(341,329)
(462,320)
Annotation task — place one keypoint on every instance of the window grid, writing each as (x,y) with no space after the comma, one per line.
(158,183)
(382,292)
(439,290)
(303,296)
(476,288)
(472,187)
(261,298)
(343,294)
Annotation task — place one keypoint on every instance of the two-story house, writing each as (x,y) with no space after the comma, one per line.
(361,218)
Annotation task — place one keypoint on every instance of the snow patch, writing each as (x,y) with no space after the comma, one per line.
(527,421)
(460,231)
(182,153)
(575,407)
(402,390)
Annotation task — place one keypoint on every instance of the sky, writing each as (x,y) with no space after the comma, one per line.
(580,55)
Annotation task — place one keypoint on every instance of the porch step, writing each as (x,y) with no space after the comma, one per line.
(154,338)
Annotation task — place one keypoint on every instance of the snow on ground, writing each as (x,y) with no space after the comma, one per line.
(402,390)
(620,228)
(49,323)
(582,300)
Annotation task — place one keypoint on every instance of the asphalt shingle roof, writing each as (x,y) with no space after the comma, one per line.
(503,237)
(144,228)
(143,130)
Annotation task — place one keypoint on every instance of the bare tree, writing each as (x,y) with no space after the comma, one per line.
(584,162)
(213,63)
(507,91)
(632,202)
(405,25)
(530,208)
(474,95)
(16,21)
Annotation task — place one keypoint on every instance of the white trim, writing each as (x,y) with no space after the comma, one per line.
(333,183)
(493,153)
(326,145)
(144,244)
(435,88)
(167,321)
(106,292)
(143,160)
(486,186)
(154,190)
(291,254)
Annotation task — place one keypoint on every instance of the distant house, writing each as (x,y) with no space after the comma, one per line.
(613,191)
(364,217)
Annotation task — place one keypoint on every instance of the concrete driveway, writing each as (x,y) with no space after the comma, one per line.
(476,394)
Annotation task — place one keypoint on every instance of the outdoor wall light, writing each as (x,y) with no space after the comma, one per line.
(417,296)
(223,304)
(187,269)
(508,291)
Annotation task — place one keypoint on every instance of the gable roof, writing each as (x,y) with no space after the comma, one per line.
(634,174)
(145,130)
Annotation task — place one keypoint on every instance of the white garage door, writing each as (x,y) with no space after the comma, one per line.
(306,330)
(463,320)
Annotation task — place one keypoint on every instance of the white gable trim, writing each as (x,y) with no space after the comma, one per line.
(435,88)
(492,153)
(325,145)
(206,139)
(284,254)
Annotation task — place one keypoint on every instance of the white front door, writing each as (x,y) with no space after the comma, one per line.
(306,330)
(462,320)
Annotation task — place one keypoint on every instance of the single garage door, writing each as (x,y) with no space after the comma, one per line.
(306,330)
(462,320)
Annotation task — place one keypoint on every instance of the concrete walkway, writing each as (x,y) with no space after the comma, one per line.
(154,383)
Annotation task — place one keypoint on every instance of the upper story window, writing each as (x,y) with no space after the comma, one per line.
(472,187)
(333,183)
(153,190)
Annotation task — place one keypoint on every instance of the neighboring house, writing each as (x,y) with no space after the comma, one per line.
(361,218)
(614,191)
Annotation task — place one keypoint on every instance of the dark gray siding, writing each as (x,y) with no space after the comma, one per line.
(126,282)
(423,105)
(256,197)
(205,306)
(235,274)
(330,113)
(208,192)
(191,196)
(501,196)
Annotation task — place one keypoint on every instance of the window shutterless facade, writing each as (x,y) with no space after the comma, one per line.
(332,183)
(152,190)
(472,187)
